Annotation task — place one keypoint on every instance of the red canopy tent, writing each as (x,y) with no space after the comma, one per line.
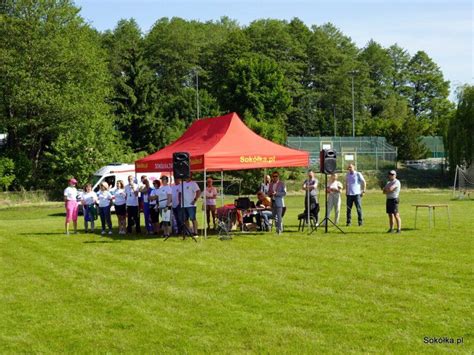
(223,143)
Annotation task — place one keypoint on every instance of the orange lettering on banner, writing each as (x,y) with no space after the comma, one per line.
(142,166)
(257,159)
(164,166)
(196,161)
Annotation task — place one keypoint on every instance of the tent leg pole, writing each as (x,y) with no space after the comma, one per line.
(307,198)
(205,205)
(222,187)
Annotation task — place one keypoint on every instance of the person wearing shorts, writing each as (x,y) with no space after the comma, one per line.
(70,203)
(165,204)
(191,194)
(120,198)
(392,191)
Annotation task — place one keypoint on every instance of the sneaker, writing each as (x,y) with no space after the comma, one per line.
(110,232)
(103,232)
(398,231)
(390,230)
(348,224)
(67,233)
(360,223)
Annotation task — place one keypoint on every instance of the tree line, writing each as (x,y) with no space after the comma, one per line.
(73,98)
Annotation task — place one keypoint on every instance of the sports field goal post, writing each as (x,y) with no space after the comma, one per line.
(463,187)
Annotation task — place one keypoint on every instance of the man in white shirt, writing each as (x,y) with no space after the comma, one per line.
(191,193)
(133,214)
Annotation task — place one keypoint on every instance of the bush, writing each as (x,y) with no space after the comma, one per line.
(7,168)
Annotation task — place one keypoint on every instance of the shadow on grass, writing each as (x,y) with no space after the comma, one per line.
(119,237)
(47,233)
(58,214)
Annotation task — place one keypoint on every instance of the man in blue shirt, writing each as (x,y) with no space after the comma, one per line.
(355,189)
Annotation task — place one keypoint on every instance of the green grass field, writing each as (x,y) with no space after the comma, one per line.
(363,291)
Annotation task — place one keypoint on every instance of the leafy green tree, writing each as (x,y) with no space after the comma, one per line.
(53,79)
(428,91)
(331,58)
(176,51)
(380,72)
(7,175)
(400,75)
(255,90)
(461,130)
(136,98)
(222,58)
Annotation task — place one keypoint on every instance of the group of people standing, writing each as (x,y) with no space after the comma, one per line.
(161,206)
(355,187)
(271,196)
(175,206)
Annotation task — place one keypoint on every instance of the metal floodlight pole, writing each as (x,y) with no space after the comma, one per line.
(353,73)
(353,111)
(198,113)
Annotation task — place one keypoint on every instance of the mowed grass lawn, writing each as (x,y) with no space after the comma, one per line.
(363,291)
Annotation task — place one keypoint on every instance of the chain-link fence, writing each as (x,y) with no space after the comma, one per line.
(367,153)
(435,145)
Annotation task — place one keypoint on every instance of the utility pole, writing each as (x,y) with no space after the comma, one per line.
(198,113)
(353,73)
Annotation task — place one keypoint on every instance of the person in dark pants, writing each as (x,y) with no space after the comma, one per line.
(177,222)
(133,214)
(355,189)
(105,200)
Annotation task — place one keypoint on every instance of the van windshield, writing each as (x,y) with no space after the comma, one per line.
(95,179)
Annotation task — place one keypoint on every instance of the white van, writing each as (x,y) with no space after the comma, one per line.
(118,171)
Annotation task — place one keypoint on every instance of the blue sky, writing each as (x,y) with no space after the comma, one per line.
(442,28)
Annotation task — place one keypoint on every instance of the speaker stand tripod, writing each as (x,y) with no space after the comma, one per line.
(185,231)
(326,219)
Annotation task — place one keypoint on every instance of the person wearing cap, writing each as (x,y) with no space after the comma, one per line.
(355,189)
(392,191)
(70,203)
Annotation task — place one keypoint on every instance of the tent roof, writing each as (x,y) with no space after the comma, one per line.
(223,143)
